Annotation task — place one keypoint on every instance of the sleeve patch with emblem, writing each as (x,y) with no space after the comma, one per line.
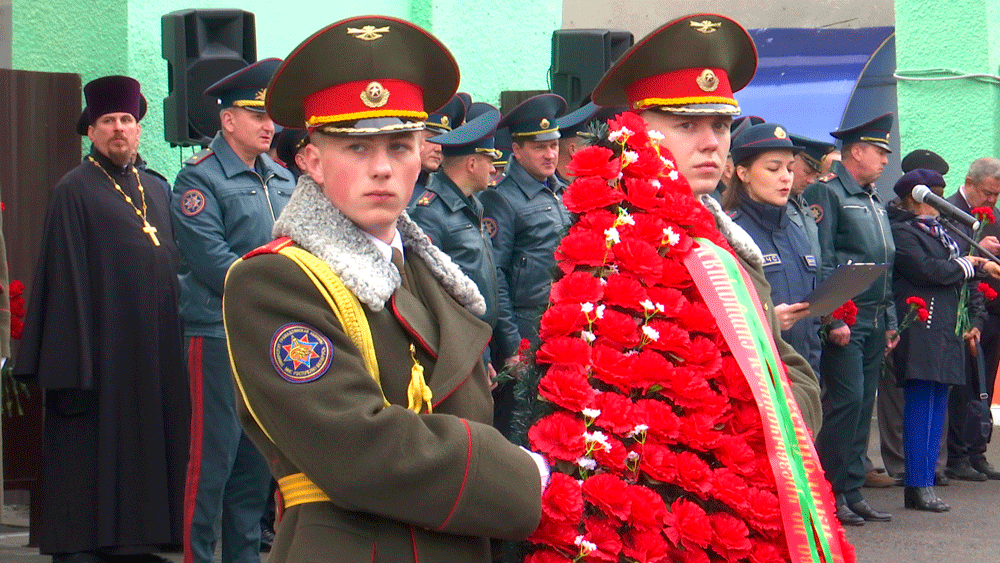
(490,226)
(192,202)
(816,210)
(300,353)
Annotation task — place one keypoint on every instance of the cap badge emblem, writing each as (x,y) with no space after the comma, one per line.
(444,120)
(544,123)
(374,95)
(707,80)
(706,26)
(368,32)
(261,94)
(780,133)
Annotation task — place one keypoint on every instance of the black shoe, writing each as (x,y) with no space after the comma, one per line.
(941,480)
(847,516)
(984,467)
(864,510)
(964,472)
(266,539)
(923,498)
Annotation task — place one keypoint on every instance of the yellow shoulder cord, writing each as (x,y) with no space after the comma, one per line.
(352,318)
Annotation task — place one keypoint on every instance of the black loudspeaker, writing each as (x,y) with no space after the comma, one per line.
(580,58)
(201,46)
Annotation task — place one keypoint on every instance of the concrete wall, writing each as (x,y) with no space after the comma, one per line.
(100,37)
(642,16)
(958,118)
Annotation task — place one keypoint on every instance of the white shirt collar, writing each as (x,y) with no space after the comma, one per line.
(386,249)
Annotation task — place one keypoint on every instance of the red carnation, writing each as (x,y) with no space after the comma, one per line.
(613,458)
(639,259)
(609,494)
(566,385)
(766,553)
(562,500)
(578,287)
(557,534)
(658,463)
(594,161)
(923,315)
(646,227)
(17,309)
(733,381)
(624,291)
(669,337)
(763,511)
(635,125)
(734,453)
(669,301)
(698,318)
(730,536)
(694,474)
(644,194)
(612,367)
(688,525)
(559,436)
(618,327)
(603,534)
(987,291)
(984,214)
(598,220)
(16,287)
(729,489)
(646,163)
(674,274)
(646,547)
(561,320)
(664,425)
(848,312)
(582,247)
(617,415)
(914,300)
(648,509)
(564,350)
(651,369)
(16,328)
(689,555)
(704,354)
(590,193)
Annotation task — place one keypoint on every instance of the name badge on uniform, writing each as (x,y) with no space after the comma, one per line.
(810,260)
(770,259)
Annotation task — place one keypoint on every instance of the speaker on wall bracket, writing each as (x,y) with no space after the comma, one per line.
(201,47)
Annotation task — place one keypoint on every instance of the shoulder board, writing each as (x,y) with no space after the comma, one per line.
(828,177)
(426,198)
(199,156)
(273,247)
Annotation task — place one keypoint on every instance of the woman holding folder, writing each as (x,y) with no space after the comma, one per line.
(763,155)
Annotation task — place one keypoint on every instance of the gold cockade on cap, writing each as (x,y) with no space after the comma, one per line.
(707,80)
(780,133)
(368,32)
(374,95)
(544,123)
(260,95)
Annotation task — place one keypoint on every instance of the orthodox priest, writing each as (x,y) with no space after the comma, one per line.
(103,339)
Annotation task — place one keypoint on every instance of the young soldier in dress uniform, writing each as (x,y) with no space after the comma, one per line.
(854,227)
(354,340)
(687,96)
(226,199)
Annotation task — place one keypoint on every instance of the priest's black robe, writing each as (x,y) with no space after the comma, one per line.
(103,338)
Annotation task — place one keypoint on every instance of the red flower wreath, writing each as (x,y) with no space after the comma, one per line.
(652,431)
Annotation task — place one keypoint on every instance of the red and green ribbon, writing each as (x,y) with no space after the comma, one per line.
(726,289)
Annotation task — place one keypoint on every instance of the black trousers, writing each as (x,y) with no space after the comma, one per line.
(965,437)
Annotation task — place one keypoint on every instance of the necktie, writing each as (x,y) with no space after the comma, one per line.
(397,260)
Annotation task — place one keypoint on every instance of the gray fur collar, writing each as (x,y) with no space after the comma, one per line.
(312,221)
(739,239)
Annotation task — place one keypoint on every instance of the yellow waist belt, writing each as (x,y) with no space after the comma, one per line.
(298,489)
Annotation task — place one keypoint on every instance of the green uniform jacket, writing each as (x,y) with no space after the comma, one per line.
(854,227)
(403,486)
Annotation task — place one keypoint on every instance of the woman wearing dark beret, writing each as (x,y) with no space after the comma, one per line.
(929,356)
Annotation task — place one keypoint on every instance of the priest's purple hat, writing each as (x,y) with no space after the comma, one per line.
(113,94)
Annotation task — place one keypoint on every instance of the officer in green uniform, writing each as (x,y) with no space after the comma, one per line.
(225,201)
(450,214)
(355,342)
(806,169)
(854,227)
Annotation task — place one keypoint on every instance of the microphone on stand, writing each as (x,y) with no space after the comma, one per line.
(923,194)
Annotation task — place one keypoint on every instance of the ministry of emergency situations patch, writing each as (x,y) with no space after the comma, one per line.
(817,212)
(192,202)
(300,353)
(490,226)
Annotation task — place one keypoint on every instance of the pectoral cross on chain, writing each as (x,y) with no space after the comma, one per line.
(151,231)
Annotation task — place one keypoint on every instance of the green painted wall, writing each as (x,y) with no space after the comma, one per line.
(959,118)
(497,48)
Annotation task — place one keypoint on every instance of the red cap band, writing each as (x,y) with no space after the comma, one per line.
(364,99)
(680,88)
